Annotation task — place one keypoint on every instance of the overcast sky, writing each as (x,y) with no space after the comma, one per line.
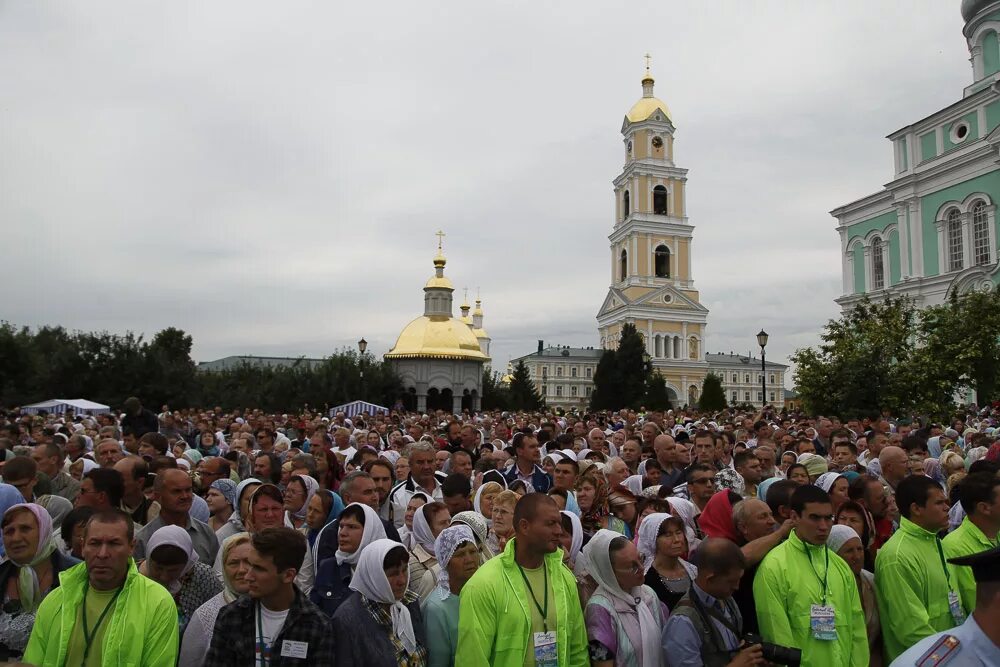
(268,176)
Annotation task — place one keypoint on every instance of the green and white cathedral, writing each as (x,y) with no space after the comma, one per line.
(932,230)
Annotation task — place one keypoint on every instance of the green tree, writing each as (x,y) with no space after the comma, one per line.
(960,348)
(522,393)
(713,396)
(865,362)
(495,394)
(607,384)
(632,368)
(657,396)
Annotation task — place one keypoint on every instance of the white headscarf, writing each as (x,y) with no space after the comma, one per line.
(373,531)
(639,598)
(577,538)
(444,547)
(687,511)
(177,537)
(312,486)
(28,586)
(634,484)
(839,536)
(421,533)
(477,501)
(648,531)
(369,579)
(826,480)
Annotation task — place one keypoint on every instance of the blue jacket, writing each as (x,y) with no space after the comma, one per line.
(540,480)
(332,585)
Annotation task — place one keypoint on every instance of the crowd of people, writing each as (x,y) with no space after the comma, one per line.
(645,539)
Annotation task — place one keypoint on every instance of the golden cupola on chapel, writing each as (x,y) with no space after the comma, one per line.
(437,356)
(652,282)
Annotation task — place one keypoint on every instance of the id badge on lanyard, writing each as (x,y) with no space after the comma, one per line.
(955,606)
(822,622)
(546,650)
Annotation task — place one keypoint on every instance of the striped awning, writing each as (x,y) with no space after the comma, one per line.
(355,408)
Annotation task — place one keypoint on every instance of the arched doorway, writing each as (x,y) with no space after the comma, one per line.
(439,400)
(409,399)
(466,400)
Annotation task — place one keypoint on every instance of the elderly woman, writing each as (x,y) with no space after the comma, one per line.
(357,527)
(592,497)
(458,556)
(624,617)
(787,459)
(297,494)
(173,563)
(502,528)
(31,570)
(324,507)
(846,543)
(477,524)
(81,467)
(221,499)
(797,473)
(663,546)
(198,634)
(417,500)
(381,624)
(428,522)
(241,504)
(483,500)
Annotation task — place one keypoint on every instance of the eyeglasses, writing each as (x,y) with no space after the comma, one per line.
(635,567)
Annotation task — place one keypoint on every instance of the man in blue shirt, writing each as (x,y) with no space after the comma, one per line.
(708,610)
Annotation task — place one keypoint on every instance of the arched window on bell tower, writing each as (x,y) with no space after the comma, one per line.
(625,203)
(661,261)
(623,269)
(659,200)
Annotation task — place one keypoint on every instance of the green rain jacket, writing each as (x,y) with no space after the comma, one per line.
(494,623)
(788,582)
(141,632)
(966,540)
(912,582)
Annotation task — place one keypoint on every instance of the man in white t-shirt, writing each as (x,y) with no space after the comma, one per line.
(275,621)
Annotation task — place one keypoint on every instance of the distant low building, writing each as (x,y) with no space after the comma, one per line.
(563,375)
(741,379)
(227,363)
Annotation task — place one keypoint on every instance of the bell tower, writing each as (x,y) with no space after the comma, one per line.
(652,284)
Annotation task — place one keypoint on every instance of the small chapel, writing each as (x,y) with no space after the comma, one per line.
(438,357)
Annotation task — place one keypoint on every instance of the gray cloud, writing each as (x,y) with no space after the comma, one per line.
(268,176)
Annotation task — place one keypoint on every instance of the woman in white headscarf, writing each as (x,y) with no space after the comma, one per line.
(298,493)
(381,625)
(624,617)
(836,485)
(458,555)
(30,572)
(663,547)
(357,527)
(846,543)
(428,522)
(198,635)
(173,563)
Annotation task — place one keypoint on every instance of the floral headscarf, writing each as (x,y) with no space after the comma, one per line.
(727,478)
(591,519)
(447,542)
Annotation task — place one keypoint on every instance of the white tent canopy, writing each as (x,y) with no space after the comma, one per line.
(355,408)
(60,405)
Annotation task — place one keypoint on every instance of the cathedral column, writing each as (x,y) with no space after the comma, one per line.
(904,242)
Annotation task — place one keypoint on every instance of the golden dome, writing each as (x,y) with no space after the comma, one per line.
(480,333)
(437,338)
(647,104)
(645,107)
(439,281)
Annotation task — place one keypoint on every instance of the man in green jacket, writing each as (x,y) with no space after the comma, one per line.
(522,609)
(980,499)
(806,595)
(915,587)
(104,612)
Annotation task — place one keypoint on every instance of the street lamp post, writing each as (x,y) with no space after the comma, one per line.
(362,346)
(762,341)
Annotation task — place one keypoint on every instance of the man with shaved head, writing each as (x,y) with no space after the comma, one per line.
(665,449)
(893,461)
(173,490)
